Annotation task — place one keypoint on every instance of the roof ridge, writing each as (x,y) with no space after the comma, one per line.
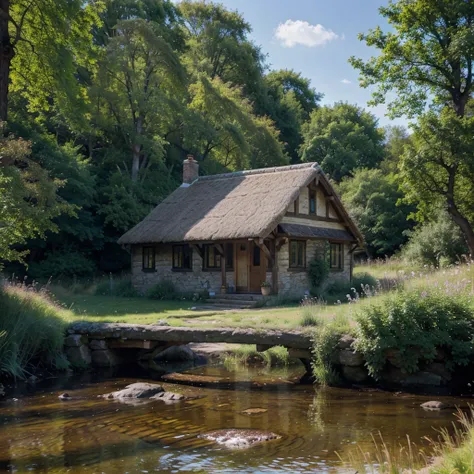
(273,169)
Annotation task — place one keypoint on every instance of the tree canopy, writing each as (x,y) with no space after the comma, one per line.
(341,139)
(426,61)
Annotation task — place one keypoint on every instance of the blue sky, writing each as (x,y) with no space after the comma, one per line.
(316,38)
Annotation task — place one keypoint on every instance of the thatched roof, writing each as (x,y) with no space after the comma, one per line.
(246,204)
(306,231)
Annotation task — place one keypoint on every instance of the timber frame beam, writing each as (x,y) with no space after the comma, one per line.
(272,260)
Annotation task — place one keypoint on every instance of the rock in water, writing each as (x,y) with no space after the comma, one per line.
(254,411)
(168,397)
(239,438)
(176,354)
(435,405)
(136,390)
(65,396)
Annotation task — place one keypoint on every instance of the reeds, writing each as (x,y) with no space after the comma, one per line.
(452,452)
(32,329)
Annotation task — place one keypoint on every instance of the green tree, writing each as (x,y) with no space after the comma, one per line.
(290,101)
(51,39)
(342,138)
(221,125)
(372,197)
(438,167)
(427,60)
(28,199)
(135,88)
(396,139)
(218,45)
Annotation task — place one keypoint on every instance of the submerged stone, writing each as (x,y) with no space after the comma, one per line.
(135,390)
(435,405)
(240,438)
(168,397)
(254,411)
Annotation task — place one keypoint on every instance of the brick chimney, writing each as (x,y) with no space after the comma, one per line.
(190,170)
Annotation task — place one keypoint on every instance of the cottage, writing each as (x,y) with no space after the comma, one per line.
(231,232)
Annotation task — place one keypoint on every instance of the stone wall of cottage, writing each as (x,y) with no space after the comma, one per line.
(184,281)
(293,281)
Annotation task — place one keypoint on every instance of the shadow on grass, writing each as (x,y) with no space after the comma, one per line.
(110,306)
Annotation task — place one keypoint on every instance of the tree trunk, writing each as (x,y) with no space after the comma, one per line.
(464,225)
(135,161)
(6,55)
(136,150)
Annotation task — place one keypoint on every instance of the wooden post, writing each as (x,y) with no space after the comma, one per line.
(221,250)
(224,275)
(272,259)
(275,269)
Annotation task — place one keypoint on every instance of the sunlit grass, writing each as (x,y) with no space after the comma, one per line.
(141,310)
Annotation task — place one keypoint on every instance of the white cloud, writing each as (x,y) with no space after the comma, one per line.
(296,32)
(346,81)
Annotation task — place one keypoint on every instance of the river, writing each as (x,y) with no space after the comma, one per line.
(40,433)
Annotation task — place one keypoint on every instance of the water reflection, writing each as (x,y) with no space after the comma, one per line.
(88,434)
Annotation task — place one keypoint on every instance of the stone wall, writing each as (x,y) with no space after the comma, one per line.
(292,281)
(184,281)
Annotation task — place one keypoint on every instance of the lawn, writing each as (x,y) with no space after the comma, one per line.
(179,313)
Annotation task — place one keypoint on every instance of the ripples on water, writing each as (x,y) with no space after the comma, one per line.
(39,433)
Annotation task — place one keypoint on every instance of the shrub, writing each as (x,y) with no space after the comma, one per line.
(66,264)
(325,340)
(163,290)
(416,324)
(31,332)
(116,287)
(318,271)
(362,280)
(435,243)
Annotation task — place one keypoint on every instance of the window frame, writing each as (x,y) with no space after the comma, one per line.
(184,247)
(311,197)
(290,264)
(149,269)
(340,264)
(229,251)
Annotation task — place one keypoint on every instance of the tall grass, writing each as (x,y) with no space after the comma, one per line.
(247,354)
(451,453)
(32,332)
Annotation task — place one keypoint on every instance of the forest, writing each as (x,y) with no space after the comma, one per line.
(100,102)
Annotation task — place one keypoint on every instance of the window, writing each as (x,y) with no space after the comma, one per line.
(256,256)
(212,258)
(182,257)
(312,201)
(148,259)
(297,254)
(335,254)
(295,206)
(229,256)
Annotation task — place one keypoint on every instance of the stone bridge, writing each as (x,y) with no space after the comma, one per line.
(104,344)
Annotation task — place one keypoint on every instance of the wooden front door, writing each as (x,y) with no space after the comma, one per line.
(257,268)
(242,266)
